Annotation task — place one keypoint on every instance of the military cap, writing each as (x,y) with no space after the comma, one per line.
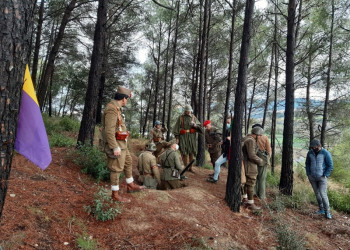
(257,130)
(157,123)
(188,108)
(124,91)
(151,146)
(206,123)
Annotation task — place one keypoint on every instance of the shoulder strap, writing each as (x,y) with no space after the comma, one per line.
(168,156)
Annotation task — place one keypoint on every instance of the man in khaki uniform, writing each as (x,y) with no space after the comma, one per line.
(156,135)
(147,165)
(213,141)
(185,130)
(116,139)
(251,162)
(171,165)
(264,153)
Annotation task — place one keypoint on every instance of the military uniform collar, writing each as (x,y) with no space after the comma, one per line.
(116,104)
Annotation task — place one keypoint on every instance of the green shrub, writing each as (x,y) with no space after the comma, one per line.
(68,124)
(104,208)
(93,162)
(288,239)
(86,242)
(59,140)
(272,180)
(341,159)
(339,201)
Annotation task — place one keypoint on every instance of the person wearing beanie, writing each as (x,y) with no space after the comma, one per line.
(264,153)
(116,138)
(319,165)
(251,162)
(213,142)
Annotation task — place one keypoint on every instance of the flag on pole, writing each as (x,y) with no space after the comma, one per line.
(31,138)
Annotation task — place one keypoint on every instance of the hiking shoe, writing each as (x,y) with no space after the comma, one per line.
(320,212)
(328,215)
(212,180)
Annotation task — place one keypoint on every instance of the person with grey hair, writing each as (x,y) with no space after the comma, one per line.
(319,165)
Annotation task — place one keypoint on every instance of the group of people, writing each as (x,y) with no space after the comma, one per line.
(256,152)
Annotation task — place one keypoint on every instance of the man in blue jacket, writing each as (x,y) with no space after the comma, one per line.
(319,165)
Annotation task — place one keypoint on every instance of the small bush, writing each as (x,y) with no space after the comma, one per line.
(339,201)
(288,239)
(104,208)
(67,124)
(93,162)
(272,180)
(86,242)
(59,140)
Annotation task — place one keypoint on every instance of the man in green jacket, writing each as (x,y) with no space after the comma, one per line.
(116,138)
(185,130)
(170,162)
(156,135)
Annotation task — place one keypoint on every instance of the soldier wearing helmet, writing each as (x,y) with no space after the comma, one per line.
(156,136)
(185,130)
(148,169)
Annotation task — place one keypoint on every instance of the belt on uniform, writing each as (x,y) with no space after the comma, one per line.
(148,175)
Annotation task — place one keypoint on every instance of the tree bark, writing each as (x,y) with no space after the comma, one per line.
(173,68)
(37,42)
(233,186)
(15,25)
(42,90)
(268,90)
(328,86)
(229,74)
(286,181)
(200,158)
(88,122)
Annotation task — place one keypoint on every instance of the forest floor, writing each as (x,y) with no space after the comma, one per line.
(45,210)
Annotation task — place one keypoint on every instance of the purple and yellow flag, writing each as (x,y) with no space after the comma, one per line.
(31,138)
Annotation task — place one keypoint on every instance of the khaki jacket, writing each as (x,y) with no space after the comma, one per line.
(264,143)
(147,165)
(157,135)
(250,159)
(113,121)
(169,161)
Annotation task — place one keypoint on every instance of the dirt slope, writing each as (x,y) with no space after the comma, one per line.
(44,210)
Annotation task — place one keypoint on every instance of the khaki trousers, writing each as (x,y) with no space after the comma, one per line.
(118,165)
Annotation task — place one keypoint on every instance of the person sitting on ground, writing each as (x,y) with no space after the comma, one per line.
(319,165)
(156,135)
(251,162)
(170,163)
(148,169)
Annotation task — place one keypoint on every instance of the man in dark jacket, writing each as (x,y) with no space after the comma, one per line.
(319,165)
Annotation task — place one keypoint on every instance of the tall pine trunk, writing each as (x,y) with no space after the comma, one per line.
(286,181)
(15,26)
(233,186)
(88,121)
(328,85)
